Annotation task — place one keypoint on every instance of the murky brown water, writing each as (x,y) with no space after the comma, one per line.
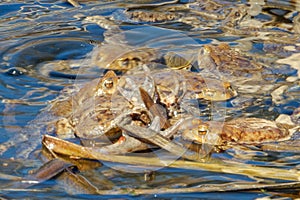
(38,37)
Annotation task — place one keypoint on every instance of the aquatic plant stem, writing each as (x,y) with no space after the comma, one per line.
(214,165)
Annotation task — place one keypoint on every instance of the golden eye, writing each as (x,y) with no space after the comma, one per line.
(237,14)
(202,129)
(227,85)
(108,83)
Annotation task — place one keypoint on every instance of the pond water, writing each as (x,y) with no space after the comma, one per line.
(47,45)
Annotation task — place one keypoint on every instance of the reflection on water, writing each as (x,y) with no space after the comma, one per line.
(45,45)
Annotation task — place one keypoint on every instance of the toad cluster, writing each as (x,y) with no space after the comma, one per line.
(162,99)
(158,90)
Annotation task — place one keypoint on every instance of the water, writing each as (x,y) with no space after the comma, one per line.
(36,35)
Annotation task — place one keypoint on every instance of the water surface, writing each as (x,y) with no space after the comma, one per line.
(36,36)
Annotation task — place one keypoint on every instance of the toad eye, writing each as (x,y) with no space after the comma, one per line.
(230,90)
(228,87)
(202,129)
(124,62)
(108,83)
(237,14)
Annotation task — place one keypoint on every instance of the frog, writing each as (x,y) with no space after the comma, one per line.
(240,19)
(206,137)
(246,74)
(62,116)
(151,16)
(208,9)
(227,60)
(191,13)
(243,130)
(246,20)
(80,101)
